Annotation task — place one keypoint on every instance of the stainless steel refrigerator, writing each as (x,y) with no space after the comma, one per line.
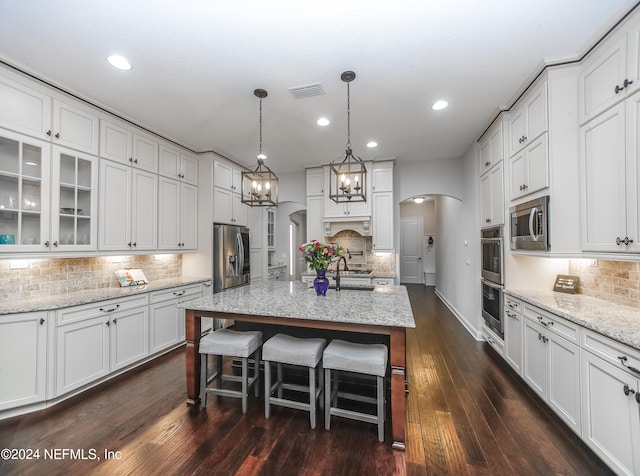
(231,257)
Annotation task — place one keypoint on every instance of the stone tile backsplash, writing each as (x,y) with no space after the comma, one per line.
(41,277)
(613,281)
(361,254)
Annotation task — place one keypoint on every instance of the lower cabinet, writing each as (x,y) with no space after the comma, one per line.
(23,359)
(611,402)
(96,339)
(513,332)
(551,363)
(167,325)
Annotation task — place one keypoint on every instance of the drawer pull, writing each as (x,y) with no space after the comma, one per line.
(179,293)
(622,360)
(627,390)
(110,310)
(550,323)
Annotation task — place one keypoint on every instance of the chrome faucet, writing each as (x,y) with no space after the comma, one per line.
(346,268)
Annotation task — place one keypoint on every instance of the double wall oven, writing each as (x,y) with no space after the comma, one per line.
(491,241)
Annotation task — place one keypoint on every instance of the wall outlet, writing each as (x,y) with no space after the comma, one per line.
(593,262)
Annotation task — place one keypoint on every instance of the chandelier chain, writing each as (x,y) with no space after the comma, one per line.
(260,126)
(348,116)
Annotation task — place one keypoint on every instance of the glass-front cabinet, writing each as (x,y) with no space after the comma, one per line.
(24,193)
(74,201)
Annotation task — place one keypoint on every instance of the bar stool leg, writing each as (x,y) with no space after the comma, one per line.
(219,371)
(245,378)
(380,409)
(321,384)
(267,389)
(327,399)
(279,380)
(256,372)
(203,379)
(312,397)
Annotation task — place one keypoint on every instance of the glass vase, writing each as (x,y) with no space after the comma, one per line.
(321,283)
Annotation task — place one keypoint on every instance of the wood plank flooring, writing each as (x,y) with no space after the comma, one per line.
(467,413)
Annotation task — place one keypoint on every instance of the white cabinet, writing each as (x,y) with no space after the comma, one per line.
(121,143)
(75,126)
(128,208)
(277,273)
(491,148)
(315,182)
(551,363)
(529,168)
(610,75)
(493,340)
(382,227)
(380,281)
(492,196)
(609,157)
(271,228)
(611,402)
(93,340)
(23,359)
(382,177)
(347,209)
(24,109)
(315,203)
(177,217)
(178,165)
(227,194)
(167,321)
(529,119)
(513,333)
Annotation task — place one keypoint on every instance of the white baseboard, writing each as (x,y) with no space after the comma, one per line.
(477,335)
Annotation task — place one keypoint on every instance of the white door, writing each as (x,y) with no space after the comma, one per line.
(411,250)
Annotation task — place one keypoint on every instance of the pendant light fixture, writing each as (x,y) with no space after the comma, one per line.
(347,181)
(260,186)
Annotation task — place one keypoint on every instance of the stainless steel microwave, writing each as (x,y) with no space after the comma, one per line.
(530,225)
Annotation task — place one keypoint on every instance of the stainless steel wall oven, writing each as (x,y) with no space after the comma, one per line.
(492,255)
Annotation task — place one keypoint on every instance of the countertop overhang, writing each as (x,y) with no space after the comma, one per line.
(384,306)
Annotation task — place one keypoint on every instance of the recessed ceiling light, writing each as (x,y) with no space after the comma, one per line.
(418,199)
(439,105)
(323,121)
(119,62)
(372,144)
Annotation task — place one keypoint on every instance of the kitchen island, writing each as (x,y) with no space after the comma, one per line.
(385,310)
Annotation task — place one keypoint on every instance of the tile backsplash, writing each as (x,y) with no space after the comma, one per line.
(41,277)
(613,281)
(361,254)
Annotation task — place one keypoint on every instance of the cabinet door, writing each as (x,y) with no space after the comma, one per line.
(23,359)
(599,78)
(189,217)
(485,200)
(485,155)
(537,165)
(169,165)
(517,130)
(75,126)
(497,145)
(25,180)
(382,177)
(144,210)
(82,353)
(564,380)
(145,153)
(24,109)
(518,175)
(536,111)
(115,142)
(383,228)
(239,210)
(74,201)
(315,182)
(513,334)
(168,214)
(632,171)
(314,218)
(222,174)
(236,180)
(333,209)
(611,418)
(602,176)
(129,339)
(534,369)
(189,169)
(222,205)
(359,208)
(164,325)
(115,206)
(497,194)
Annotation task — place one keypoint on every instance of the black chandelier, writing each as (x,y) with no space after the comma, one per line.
(260,186)
(347,181)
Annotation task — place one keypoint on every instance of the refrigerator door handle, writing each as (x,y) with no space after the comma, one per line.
(240,248)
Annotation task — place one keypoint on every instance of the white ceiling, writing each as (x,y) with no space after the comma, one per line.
(197,62)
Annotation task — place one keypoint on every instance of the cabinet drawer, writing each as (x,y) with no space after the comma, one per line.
(616,353)
(513,304)
(553,323)
(493,340)
(101,308)
(173,293)
(383,281)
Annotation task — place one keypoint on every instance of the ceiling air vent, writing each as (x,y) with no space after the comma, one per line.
(306,91)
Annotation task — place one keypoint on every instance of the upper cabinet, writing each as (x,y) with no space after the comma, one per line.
(491,154)
(611,74)
(177,165)
(492,147)
(126,145)
(227,194)
(24,109)
(315,203)
(382,206)
(347,209)
(75,126)
(529,168)
(528,121)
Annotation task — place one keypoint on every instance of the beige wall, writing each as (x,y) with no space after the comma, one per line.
(426,210)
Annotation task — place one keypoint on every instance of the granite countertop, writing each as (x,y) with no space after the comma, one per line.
(384,306)
(618,322)
(17,304)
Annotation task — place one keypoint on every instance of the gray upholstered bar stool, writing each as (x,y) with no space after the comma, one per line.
(284,349)
(368,359)
(230,343)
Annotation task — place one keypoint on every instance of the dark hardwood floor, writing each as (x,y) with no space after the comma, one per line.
(467,413)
